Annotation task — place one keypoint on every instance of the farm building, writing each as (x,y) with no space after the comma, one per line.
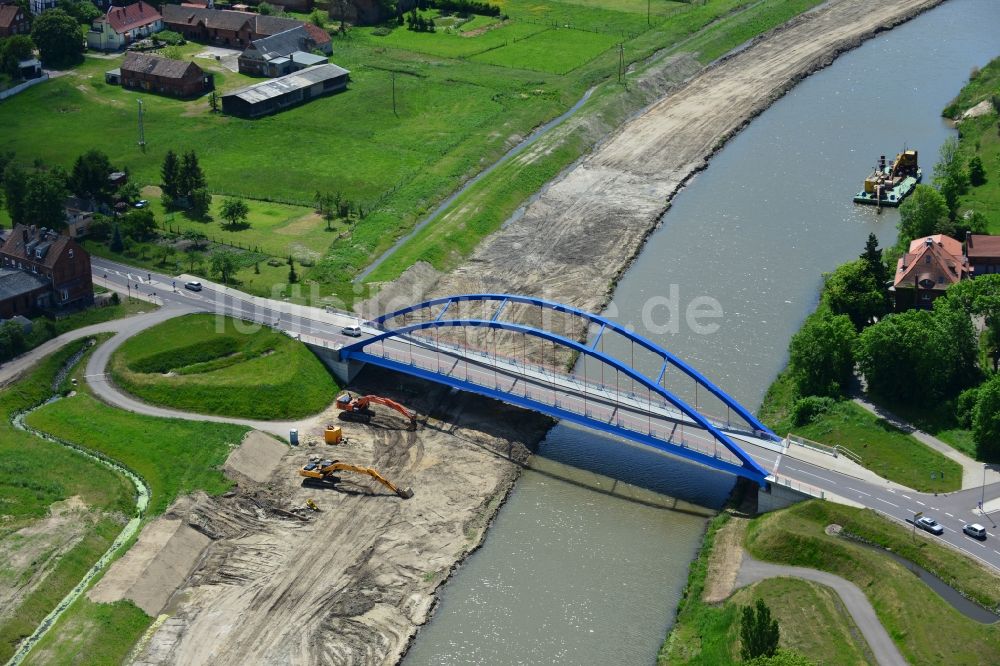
(230,28)
(177,78)
(121,26)
(280,54)
(278,94)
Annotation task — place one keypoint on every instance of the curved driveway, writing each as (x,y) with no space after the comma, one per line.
(885,651)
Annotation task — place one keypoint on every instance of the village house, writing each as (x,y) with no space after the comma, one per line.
(121,26)
(13,21)
(280,54)
(41,270)
(983,253)
(261,99)
(232,28)
(39,6)
(155,74)
(79,216)
(925,272)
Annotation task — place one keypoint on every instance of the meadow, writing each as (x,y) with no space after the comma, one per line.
(206,364)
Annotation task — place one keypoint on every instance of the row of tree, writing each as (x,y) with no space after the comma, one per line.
(418,23)
(184,185)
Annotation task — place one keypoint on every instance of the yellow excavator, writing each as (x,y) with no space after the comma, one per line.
(325,470)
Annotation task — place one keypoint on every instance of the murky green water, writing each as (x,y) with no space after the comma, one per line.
(574,576)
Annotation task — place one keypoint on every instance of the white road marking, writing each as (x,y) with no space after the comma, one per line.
(906,496)
(975,541)
(860,492)
(921,503)
(948,514)
(887,502)
(809,473)
(949,529)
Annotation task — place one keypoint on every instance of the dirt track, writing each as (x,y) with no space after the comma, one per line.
(348,585)
(576,239)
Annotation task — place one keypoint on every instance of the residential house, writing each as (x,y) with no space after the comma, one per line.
(79,216)
(280,54)
(39,6)
(232,28)
(925,272)
(121,26)
(13,21)
(177,78)
(48,258)
(983,253)
(275,95)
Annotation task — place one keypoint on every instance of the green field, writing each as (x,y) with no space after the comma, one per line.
(216,366)
(34,474)
(883,448)
(394,155)
(981,137)
(796,536)
(558,51)
(811,617)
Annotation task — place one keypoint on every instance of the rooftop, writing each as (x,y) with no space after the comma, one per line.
(8,14)
(157,66)
(980,245)
(18,283)
(933,262)
(136,15)
(288,83)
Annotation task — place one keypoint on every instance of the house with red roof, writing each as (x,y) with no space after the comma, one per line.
(983,252)
(925,272)
(121,26)
(13,20)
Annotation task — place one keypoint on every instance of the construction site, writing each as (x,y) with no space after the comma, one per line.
(313,561)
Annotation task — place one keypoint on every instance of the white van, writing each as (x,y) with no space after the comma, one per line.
(975,530)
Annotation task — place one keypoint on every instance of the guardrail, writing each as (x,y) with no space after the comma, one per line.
(797,486)
(834,451)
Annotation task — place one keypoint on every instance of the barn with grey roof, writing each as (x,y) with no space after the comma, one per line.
(283,92)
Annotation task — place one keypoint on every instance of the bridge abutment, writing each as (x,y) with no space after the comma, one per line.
(773,496)
(344,371)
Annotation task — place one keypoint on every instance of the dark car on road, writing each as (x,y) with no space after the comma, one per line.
(929,524)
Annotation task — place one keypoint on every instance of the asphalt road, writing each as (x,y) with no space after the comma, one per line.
(661,420)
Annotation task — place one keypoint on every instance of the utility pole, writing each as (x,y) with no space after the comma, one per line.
(142,130)
(982,502)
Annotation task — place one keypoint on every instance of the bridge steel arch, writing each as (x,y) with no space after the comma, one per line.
(747,466)
(668,358)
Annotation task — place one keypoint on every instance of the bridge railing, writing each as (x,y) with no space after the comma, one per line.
(540,384)
(835,451)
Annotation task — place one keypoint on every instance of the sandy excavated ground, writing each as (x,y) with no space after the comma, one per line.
(575,240)
(350,584)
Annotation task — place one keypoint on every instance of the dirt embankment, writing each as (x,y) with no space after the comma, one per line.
(350,584)
(575,240)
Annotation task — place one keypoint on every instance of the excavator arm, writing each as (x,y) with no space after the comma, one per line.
(317,471)
(360,408)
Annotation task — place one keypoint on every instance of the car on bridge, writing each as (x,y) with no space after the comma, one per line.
(352,331)
(930,525)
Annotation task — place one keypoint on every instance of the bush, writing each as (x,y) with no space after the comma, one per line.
(382,31)
(806,410)
(965,406)
(170,37)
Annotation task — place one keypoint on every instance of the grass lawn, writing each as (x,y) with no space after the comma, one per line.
(450,45)
(215,367)
(45,329)
(981,137)
(558,51)
(884,449)
(811,617)
(90,633)
(33,475)
(926,629)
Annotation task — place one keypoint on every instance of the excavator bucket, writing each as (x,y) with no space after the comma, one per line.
(405,493)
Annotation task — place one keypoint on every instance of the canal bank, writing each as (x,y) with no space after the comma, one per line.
(754,232)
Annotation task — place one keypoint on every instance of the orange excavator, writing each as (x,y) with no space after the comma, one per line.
(358,408)
(324,470)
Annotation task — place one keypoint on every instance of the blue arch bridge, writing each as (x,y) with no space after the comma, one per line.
(517,349)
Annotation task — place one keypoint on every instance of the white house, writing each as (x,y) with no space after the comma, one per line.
(121,26)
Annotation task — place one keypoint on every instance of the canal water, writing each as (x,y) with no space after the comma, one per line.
(571,574)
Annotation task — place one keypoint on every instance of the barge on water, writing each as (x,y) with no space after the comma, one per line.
(889,185)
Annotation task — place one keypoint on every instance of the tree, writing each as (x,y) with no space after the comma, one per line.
(235,212)
(265,9)
(45,198)
(919,357)
(190,176)
(326,207)
(128,193)
(950,176)
(224,264)
(15,186)
(194,257)
(293,277)
(12,340)
(986,421)
(57,36)
(318,19)
(170,173)
(117,244)
(89,177)
(977,174)
(875,264)
(12,51)
(759,633)
(853,290)
(922,214)
(821,358)
(982,297)
(199,203)
(140,223)
(166,252)
(83,11)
